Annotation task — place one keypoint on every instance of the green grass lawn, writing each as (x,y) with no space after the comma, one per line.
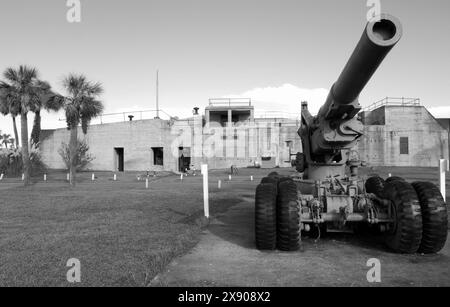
(122,233)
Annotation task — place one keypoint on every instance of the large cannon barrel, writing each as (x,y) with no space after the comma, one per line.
(379,37)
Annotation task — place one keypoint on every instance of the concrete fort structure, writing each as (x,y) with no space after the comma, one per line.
(228,134)
(401,132)
(397,132)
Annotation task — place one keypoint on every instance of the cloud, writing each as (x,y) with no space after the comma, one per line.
(285,99)
(440,112)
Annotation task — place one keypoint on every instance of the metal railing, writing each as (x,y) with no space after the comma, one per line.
(394,101)
(230,102)
(125,116)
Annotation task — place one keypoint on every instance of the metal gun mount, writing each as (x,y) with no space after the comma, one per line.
(326,198)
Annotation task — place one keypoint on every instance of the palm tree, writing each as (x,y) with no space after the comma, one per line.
(9,106)
(43,103)
(6,139)
(23,93)
(80,105)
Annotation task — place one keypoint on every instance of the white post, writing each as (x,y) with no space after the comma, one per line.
(443,167)
(219,184)
(45,177)
(1,176)
(181,177)
(115,177)
(93,176)
(23,177)
(390,175)
(146,183)
(251,178)
(68,176)
(205,189)
(229,177)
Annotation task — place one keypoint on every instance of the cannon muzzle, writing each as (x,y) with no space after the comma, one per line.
(379,37)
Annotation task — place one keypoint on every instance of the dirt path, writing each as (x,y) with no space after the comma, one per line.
(226,256)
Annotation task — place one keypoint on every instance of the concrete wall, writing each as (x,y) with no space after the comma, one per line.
(428,141)
(240,145)
(137,138)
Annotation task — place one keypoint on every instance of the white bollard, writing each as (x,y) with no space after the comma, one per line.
(146,183)
(23,177)
(93,177)
(115,177)
(68,176)
(390,175)
(251,178)
(229,177)
(219,184)
(205,189)
(1,177)
(181,177)
(443,167)
(45,177)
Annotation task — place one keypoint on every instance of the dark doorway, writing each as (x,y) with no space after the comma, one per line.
(119,159)
(158,156)
(184,159)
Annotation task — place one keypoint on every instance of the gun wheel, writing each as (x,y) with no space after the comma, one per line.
(434,217)
(394,178)
(406,232)
(288,218)
(300,162)
(375,185)
(271,180)
(265,216)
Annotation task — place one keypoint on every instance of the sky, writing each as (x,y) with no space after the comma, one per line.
(277,52)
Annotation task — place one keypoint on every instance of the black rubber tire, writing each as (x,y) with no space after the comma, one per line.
(394,178)
(434,217)
(406,236)
(300,162)
(288,227)
(375,185)
(273,180)
(265,216)
(283,179)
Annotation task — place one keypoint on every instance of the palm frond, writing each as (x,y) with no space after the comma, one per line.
(11,75)
(94,89)
(54,102)
(72,116)
(90,108)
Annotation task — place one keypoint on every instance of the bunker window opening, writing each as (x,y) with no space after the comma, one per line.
(158,155)
(404,146)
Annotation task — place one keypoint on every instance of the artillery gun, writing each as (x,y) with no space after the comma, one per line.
(330,194)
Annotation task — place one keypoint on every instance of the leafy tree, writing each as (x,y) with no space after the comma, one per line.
(82,157)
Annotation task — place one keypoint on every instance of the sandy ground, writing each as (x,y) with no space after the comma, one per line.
(226,256)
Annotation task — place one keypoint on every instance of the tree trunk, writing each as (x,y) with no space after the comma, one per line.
(16,134)
(35,133)
(73,153)
(25,150)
